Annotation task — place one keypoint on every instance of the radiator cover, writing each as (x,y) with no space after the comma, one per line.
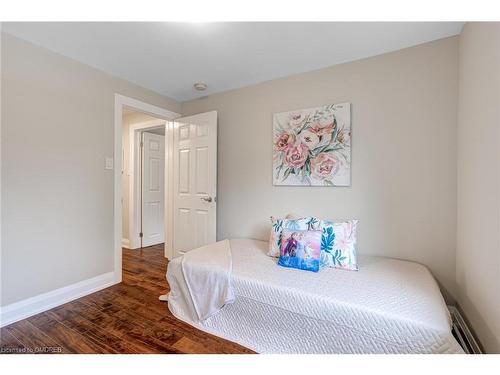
(462,333)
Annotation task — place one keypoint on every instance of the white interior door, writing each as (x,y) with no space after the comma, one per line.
(153,189)
(195,181)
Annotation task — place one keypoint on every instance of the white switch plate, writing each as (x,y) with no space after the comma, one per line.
(109,163)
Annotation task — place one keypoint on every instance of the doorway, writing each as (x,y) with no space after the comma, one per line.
(189,176)
(143,180)
(126,169)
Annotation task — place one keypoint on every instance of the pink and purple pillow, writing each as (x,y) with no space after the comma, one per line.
(301,249)
(278,225)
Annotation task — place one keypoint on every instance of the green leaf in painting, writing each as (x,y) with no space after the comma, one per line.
(286,174)
(278,171)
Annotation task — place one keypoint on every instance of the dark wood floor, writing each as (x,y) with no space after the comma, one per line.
(125,318)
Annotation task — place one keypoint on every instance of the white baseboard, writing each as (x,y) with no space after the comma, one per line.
(125,243)
(46,301)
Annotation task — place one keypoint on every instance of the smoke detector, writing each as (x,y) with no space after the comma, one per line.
(200,86)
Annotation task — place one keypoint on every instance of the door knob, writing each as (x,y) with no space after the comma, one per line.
(207,199)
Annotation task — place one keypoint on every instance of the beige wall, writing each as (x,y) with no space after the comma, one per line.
(128,119)
(478,234)
(57,198)
(404,113)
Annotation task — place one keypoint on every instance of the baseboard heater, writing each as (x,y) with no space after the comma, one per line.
(462,333)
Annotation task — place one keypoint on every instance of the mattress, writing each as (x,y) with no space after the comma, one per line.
(388,306)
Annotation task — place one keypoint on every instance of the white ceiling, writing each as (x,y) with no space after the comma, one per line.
(169,57)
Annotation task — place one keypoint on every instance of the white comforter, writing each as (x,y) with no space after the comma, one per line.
(388,306)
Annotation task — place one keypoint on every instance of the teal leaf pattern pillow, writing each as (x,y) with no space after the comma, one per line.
(339,245)
(278,225)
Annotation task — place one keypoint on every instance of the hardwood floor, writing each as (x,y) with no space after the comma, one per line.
(125,318)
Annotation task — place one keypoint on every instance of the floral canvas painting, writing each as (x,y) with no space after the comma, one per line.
(312,147)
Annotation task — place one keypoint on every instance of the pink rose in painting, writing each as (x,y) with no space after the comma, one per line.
(296,155)
(284,140)
(324,166)
(324,126)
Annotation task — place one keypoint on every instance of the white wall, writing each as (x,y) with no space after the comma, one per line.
(128,119)
(478,235)
(57,198)
(404,114)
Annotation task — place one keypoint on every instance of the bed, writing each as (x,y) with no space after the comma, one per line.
(388,306)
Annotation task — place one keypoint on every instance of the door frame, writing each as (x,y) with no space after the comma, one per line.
(152,110)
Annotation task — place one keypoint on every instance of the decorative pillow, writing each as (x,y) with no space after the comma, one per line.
(305,223)
(301,249)
(338,245)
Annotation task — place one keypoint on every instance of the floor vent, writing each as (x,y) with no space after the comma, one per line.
(462,332)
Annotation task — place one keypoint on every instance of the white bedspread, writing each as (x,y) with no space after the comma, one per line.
(388,306)
(206,275)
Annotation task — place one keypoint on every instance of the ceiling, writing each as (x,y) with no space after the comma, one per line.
(170,57)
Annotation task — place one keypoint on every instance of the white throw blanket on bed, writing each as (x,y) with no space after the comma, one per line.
(207,275)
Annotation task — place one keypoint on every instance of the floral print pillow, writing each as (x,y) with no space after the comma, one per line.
(305,223)
(338,245)
(301,249)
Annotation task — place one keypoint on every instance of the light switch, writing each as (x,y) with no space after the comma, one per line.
(109,163)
